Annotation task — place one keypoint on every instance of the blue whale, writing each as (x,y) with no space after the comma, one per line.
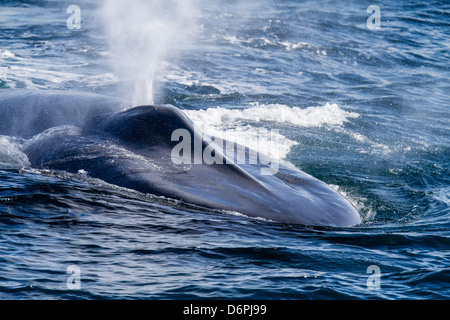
(134,148)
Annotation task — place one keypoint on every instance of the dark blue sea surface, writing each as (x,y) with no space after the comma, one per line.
(361,106)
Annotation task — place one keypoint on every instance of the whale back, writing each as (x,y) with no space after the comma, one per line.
(143,125)
(25,113)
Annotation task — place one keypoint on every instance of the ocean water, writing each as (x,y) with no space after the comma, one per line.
(358,100)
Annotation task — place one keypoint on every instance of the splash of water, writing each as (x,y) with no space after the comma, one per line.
(142,34)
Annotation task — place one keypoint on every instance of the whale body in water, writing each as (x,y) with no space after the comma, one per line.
(134,148)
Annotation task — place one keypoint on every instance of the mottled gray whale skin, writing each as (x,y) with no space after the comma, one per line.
(131,148)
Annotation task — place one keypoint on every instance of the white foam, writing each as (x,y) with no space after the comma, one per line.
(442,194)
(287,45)
(293,46)
(358,202)
(329,114)
(238,214)
(173,73)
(268,142)
(241,125)
(10,155)
(374,147)
(5,53)
(33,74)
